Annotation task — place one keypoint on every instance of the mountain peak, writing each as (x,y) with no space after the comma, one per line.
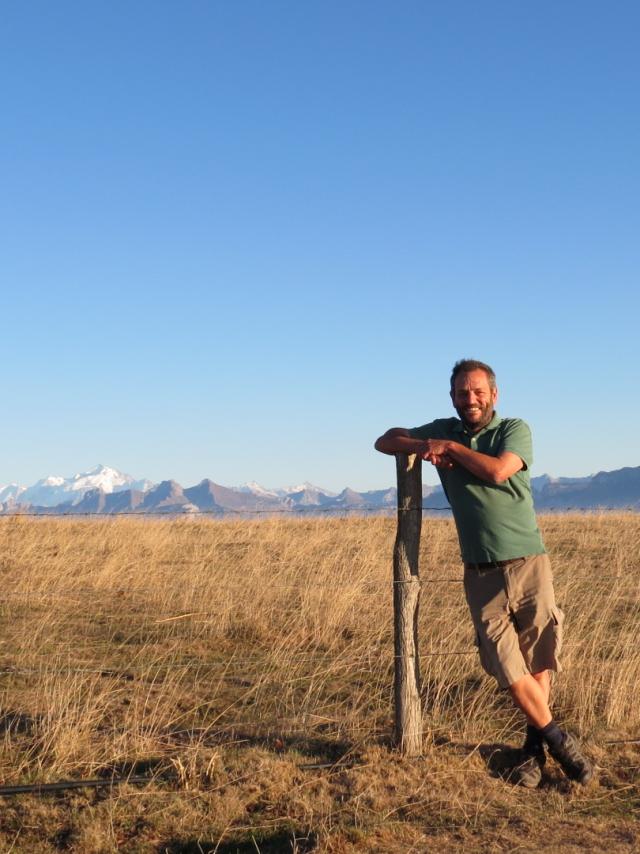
(100,469)
(305,487)
(105,489)
(54,490)
(253,488)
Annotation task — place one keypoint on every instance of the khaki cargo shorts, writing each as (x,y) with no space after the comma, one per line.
(518,624)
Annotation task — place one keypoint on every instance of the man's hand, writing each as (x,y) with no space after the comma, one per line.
(444,453)
(436,451)
(440,462)
(398,440)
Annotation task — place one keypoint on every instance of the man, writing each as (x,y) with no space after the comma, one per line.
(483,462)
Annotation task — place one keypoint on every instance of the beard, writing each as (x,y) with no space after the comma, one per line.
(481,417)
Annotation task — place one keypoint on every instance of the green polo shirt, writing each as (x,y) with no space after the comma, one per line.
(495,521)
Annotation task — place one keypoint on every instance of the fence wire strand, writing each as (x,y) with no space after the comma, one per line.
(312,510)
(221,512)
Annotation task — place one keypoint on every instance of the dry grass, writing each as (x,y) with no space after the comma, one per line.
(226,658)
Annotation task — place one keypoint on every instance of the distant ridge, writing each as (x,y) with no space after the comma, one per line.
(105,490)
(606,489)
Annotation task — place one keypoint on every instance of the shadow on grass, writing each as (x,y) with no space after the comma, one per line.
(502,759)
(322,748)
(17,722)
(281,842)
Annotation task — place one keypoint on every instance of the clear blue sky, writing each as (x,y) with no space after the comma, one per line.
(239,240)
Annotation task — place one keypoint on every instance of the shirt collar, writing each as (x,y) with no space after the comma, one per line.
(459,427)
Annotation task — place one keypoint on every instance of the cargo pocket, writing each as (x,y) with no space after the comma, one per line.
(485,660)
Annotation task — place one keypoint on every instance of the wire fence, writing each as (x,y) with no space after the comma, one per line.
(359,585)
(220,513)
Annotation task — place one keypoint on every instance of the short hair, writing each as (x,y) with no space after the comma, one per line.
(463,366)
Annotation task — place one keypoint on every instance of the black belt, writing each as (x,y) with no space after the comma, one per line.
(493,564)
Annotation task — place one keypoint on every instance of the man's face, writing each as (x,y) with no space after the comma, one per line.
(474,399)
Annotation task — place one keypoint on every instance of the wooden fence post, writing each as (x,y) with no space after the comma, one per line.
(406,600)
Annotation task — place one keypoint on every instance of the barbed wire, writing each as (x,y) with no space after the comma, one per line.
(64,785)
(129,594)
(385,660)
(221,512)
(384,586)
(300,510)
(128,674)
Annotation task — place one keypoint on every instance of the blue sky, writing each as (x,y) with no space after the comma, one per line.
(239,240)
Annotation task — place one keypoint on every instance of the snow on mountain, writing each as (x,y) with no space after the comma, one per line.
(11,492)
(306,487)
(253,488)
(54,489)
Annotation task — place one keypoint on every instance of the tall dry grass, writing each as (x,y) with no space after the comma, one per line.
(248,666)
(129,639)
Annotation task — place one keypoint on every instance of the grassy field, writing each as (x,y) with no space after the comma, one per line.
(247,669)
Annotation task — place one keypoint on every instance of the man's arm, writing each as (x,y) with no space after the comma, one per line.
(492,469)
(398,440)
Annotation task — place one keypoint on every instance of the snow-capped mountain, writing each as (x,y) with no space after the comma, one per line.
(54,490)
(107,490)
(307,488)
(253,488)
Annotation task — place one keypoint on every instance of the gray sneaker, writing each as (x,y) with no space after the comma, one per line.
(572,760)
(527,771)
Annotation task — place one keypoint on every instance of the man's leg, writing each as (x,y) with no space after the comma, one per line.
(534,742)
(531,696)
(544,681)
(505,605)
(539,624)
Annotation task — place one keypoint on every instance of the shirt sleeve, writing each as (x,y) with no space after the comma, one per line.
(517,439)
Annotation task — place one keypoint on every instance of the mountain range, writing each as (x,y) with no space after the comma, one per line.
(105,490)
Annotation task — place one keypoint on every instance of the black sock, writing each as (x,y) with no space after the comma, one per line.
(533,741)
(552,734)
